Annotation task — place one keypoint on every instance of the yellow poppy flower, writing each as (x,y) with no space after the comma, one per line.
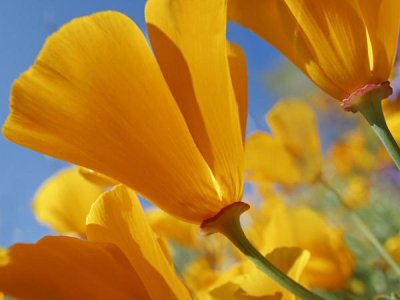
(166,125)
(64,200)
(172,228)
(331,263)
(351,154)
(392,245)
(357,191)
(121,260)
(200,277)
(292,153)
(245,281)
(252,282)
(340,45)
(391,109)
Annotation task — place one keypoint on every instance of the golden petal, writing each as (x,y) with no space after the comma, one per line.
(96,97)
(200,81)
(295,123)
(117,217)
(68,268)
(267,160)
(64,201)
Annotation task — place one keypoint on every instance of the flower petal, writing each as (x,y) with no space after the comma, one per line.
(68,268)
(382,18)
(97,98)
(96,177)
(273,21)
(392,245)
(331,263)
(172,228)
(327,40)
(117,217)
(352,154)
(356,194)
(294,122)
(291,261)
(200,81)
(64,201)
(250,283)
(267,160)
(336,33)
(238,70)
(391,110)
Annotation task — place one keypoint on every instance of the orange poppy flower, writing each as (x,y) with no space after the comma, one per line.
(167,124)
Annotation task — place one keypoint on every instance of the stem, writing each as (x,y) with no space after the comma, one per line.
(227,222)
(372,112)
(235,234)
(364,229)
(373,240)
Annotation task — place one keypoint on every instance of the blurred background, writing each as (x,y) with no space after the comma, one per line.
(25,25)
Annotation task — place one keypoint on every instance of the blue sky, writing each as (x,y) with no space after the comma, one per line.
(24,26)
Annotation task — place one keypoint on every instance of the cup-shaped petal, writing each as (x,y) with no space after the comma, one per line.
(96,97)
(340,45)
(117,217)
(189,39)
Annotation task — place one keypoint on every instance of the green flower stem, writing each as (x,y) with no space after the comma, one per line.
(364,229)
(367,232)
(235,234)
(228,224)
(372,112)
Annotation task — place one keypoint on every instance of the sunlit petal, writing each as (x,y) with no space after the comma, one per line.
(291,261)
(179,31)
(64,200)
(391,109)
(96,97)
(250,283)
(336,34)
(340,45)
(117,217)
(238,70)
(275,23)
(68,268)
(331,262)
(96,177)
(382,19)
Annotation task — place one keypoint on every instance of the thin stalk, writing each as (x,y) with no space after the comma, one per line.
(372,112)
(228,224)
(364,229)
(367,232)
